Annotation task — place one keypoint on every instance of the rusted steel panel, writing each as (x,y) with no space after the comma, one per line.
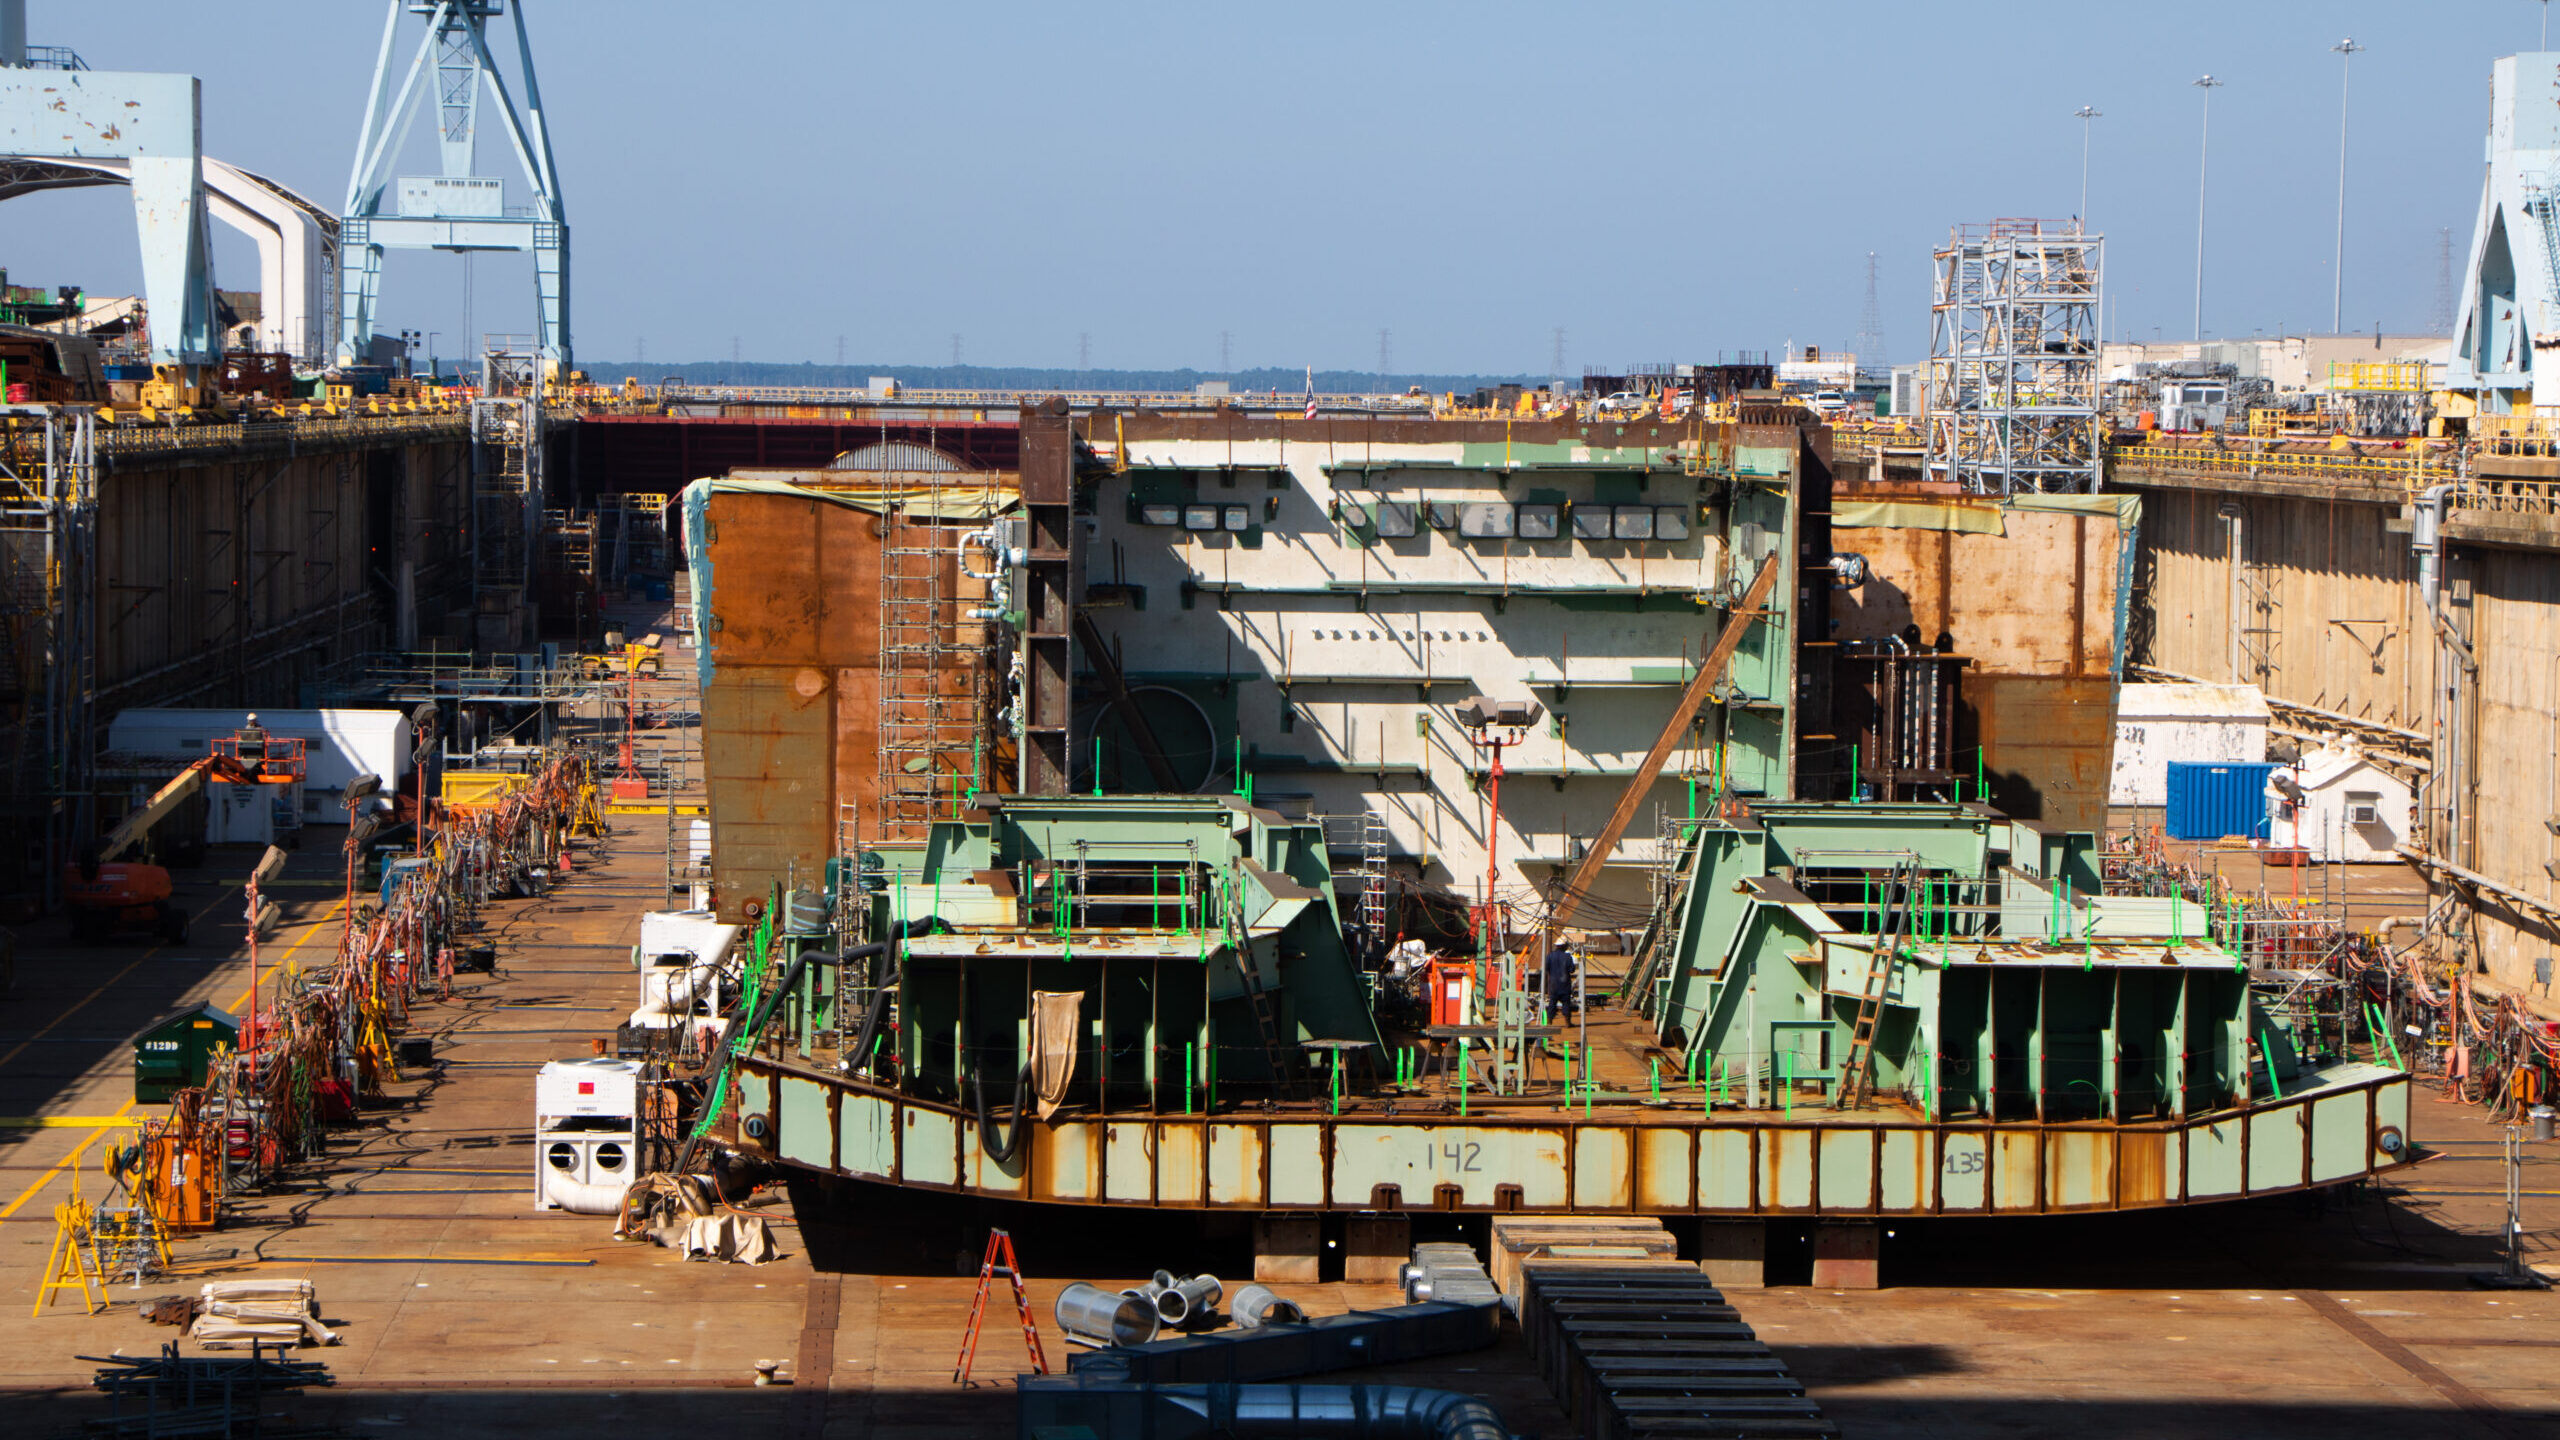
(1602,1178)
(931,1153)
(1666,1170)
(2017,1177)
(2146,1167)
(1647,1167)
(2275,1148)
(1297,1164)
(1178,1162)
(768,733)
(2033,611)
(1964,1171)
(1725,1169)
(1902,1171)
(1786,1170)
(1848,1169)
(2048,742)
(1129,1162)
(2080,1168)
(1235,1165)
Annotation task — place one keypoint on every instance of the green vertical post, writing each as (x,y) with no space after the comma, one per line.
(1787,1084)
(1097,766)
(1462,1079)
(1190,1064)
(1655,1064)
(1853,774)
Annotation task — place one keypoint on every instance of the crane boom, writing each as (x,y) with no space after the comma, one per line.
(130,831)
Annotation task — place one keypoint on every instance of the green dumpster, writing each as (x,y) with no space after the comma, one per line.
(174,1054)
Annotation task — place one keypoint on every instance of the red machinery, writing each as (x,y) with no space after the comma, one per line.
(106,894)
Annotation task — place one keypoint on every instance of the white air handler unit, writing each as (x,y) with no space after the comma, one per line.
(586,1134)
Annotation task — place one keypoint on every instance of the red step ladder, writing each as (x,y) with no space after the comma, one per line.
(999,1261)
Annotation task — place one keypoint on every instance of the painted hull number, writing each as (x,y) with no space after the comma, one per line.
(1458,1157)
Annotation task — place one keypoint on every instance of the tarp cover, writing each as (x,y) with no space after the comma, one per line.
(1056,1016)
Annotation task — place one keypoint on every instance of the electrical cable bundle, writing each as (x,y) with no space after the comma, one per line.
(325,1039)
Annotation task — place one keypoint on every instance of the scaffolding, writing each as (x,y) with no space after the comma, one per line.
(2013,359)
(631,532)
(48,630)
(934,646)
(506,496)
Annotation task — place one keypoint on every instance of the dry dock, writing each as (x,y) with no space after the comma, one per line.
(463,1310)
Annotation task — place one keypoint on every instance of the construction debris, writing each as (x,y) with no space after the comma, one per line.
(250,1314)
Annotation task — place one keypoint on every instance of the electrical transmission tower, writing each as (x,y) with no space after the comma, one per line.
(457,208)
(2013,359)
(1871,322)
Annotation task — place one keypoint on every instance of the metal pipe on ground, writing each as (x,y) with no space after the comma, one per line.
(1190,1300)
(1095,1316)
(1256,1306)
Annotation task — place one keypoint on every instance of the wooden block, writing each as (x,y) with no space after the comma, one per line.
(1734,1253)
(1286,1249)
(1844,1254)
(1373,1247)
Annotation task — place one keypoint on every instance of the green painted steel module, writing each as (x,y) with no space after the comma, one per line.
(175,1054)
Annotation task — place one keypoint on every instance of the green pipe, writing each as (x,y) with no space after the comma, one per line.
(1853,774)
(1190,1062)
(1097,767)
(1787,1088)
(1656,1064)
(1462,1079)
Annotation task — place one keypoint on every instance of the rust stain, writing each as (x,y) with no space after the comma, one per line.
(2079,1169)
(2142,1167)
(2014,1172)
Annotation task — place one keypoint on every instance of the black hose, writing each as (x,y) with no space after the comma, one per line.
(859,1052)
(1012,1146)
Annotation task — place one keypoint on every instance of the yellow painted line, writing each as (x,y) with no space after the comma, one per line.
(65,1163)
(73,1158)
(67,1122)
(656,810)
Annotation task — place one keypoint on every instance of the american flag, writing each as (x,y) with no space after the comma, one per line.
(1311,392)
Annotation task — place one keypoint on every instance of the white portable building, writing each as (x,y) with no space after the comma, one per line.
(2338,805)
(338,745)
(2158,723)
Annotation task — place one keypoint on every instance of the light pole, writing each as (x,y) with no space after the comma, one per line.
(2084,115)
(2346,49)
(2204,141)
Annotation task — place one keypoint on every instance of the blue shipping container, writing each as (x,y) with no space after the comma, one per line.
(2209,799)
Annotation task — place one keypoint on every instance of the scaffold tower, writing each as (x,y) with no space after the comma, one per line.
(2013,359)
(48,631)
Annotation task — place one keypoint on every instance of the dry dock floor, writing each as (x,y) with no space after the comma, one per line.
(465,1311)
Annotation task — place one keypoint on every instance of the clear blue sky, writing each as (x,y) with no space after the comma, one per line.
(1661,181)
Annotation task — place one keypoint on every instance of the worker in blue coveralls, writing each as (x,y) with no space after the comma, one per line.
(1559,981)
